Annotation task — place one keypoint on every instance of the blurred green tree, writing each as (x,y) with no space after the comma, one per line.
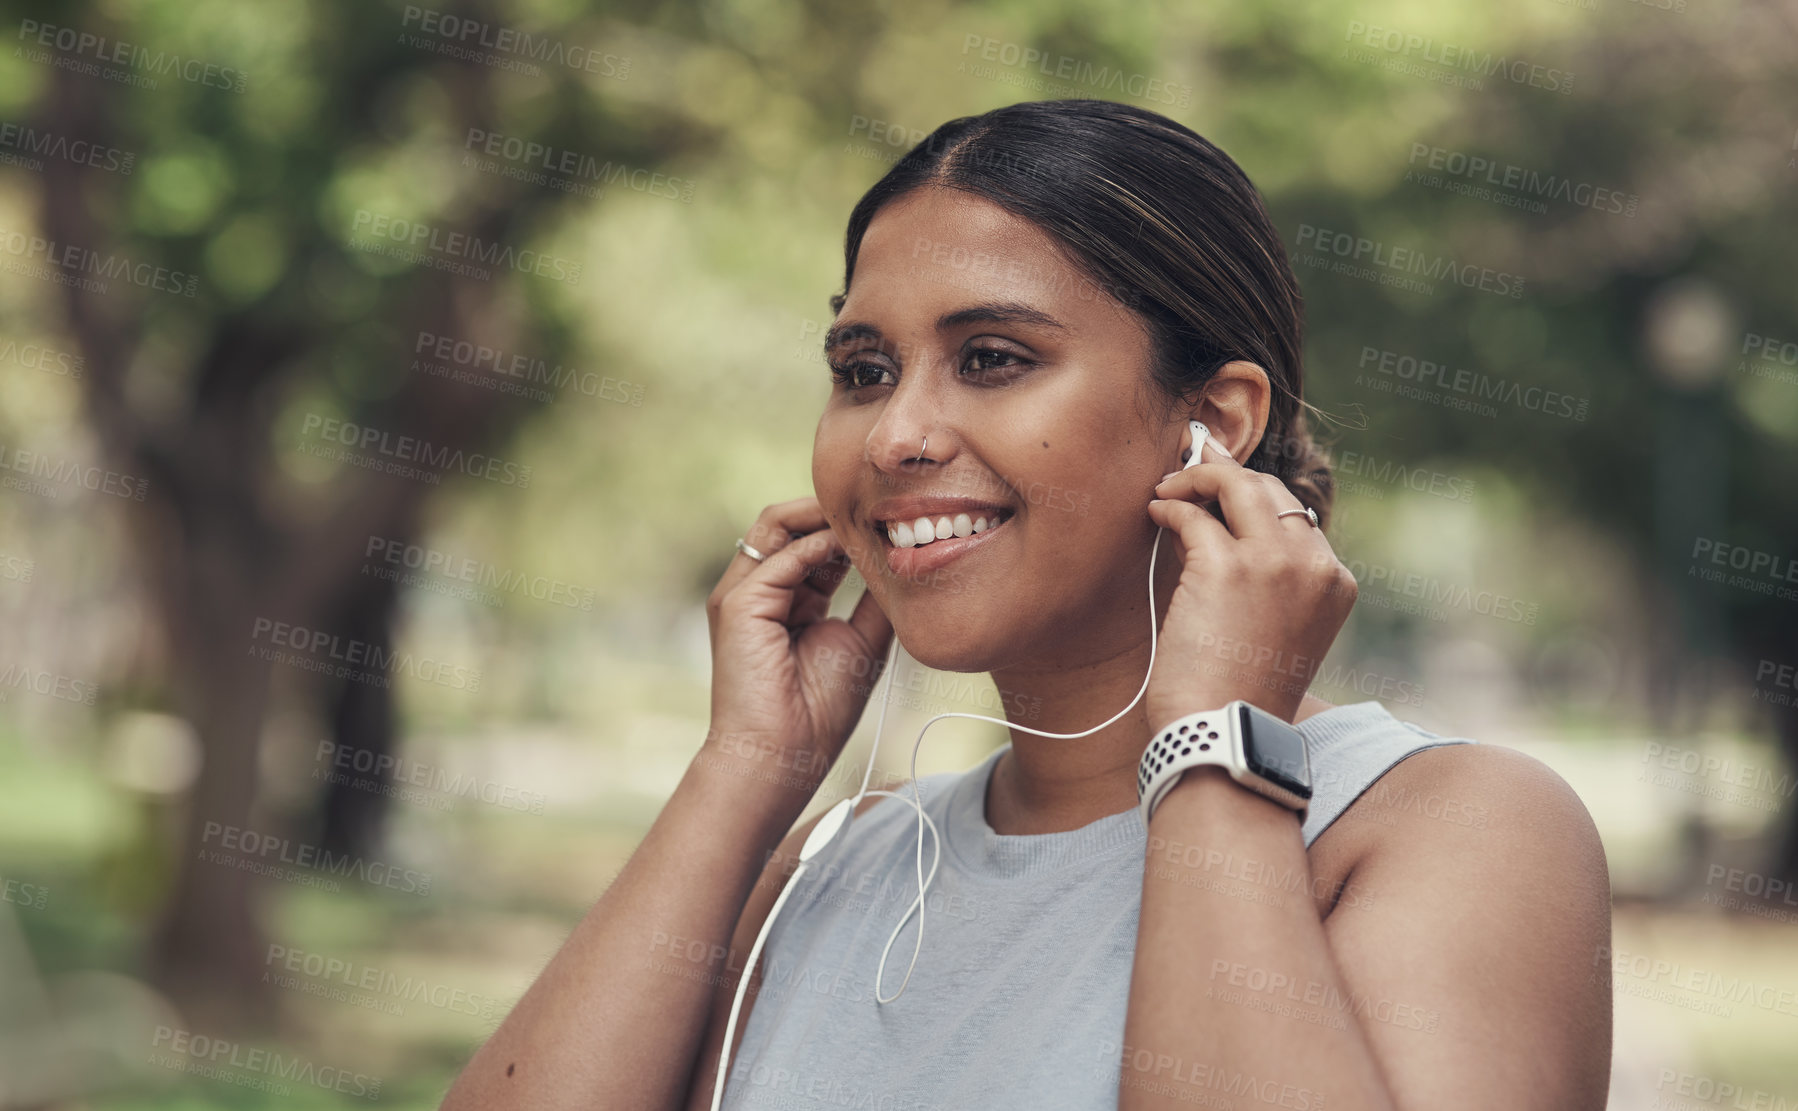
(348,113)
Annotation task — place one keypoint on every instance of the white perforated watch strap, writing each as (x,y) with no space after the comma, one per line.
(1207,737)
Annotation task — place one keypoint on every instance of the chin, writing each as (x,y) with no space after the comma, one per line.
(966,659)
(942,637)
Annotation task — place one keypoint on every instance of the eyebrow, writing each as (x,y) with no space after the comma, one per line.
(997,312)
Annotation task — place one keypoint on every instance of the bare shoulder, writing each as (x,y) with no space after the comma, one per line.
(1484,787)
(1497,815)
(1484,897)
(1494,795)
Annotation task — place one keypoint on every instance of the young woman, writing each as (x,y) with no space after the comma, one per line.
(1037,303)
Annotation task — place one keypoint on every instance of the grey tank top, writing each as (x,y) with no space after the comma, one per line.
(1019,994)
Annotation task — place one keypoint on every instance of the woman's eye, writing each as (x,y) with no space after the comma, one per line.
(986,366)
(856,376)
(994,366)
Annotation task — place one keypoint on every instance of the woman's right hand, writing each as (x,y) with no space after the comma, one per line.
(788,679)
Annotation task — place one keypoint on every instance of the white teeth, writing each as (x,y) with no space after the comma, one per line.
(912,534)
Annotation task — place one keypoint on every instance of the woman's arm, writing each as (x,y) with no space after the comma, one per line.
(1500,932)
(616,1018)
(1470,973)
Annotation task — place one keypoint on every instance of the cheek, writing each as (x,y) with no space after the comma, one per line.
(836,453)
(1096,525)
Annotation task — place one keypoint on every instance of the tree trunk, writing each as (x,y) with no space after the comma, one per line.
(350,818)
(1785,723)
(209,948)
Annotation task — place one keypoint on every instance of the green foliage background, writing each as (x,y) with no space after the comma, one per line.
(776,112)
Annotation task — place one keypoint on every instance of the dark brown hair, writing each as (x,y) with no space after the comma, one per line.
(1158,218)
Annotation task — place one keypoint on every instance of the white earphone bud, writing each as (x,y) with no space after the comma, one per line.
(1200,434)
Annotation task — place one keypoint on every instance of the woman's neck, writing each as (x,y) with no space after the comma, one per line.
(1055,784)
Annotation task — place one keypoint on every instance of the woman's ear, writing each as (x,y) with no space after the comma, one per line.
(1234,406)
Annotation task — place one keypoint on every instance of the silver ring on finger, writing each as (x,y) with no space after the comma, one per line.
(744,547)
(1310,514)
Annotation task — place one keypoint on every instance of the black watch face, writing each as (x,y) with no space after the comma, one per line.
(1275,751)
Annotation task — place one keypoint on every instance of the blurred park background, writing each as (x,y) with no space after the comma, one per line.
(454,345)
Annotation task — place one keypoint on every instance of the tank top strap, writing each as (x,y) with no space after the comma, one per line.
(1350,748)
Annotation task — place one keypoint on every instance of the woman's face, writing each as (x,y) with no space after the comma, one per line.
(965,324)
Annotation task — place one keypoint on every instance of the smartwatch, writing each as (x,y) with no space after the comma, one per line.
(1261,752)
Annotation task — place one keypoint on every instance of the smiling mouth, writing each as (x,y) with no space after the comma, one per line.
(921,532)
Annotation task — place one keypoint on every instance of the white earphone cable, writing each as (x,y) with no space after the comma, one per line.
(923,883)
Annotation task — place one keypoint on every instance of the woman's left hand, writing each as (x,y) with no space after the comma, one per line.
(1260,598)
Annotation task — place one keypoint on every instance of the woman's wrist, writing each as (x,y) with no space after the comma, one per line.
(1209,798)
(753,773)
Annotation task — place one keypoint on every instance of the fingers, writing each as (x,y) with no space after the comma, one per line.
(773,588)
(773,530)
(1192,524)
(804,563)
(812,594)
(812,597)
(1249,499)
